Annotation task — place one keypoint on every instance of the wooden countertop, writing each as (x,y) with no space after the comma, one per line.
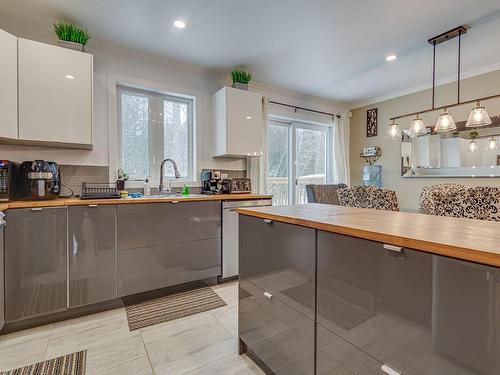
(84,202)
(466,239)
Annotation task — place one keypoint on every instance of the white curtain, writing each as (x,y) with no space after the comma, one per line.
(341,172)
(257,165)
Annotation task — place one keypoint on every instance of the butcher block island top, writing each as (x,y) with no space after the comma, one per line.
(465,239)
(144,199)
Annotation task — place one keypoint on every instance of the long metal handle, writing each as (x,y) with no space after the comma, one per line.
(393,248)
(92,205)
(37,209)
(386,369)
(268,221)
(174,202)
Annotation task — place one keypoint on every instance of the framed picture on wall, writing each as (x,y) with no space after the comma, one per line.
(371,122)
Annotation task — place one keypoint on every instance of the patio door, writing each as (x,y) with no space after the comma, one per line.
(299,154)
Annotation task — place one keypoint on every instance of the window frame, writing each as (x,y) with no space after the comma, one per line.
(292,125)
(156,134)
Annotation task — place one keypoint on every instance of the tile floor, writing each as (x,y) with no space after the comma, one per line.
(205,343)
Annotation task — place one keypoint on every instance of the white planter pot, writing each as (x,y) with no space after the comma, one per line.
(240,86)
(71,45)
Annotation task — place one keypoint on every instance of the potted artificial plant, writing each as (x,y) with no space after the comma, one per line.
(241,79)
(71,36)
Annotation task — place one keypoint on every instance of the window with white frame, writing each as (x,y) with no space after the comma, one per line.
(299,154)
(153,127)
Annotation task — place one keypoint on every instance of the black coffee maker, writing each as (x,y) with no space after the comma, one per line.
(39,180)
(211,182)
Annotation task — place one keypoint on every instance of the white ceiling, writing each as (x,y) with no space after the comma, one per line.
(330,48)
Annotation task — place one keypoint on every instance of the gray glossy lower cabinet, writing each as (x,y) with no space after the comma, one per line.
(166,244)
(92,254)
(276,299)
(35,262)
(415,312)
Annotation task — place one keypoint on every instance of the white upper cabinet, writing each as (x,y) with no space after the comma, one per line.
(8,85)
(55,94)
(238,120)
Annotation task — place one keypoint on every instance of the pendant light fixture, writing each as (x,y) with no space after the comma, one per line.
(393,131)
(492,144)
(445,122)
(417,127)
(473,146)
(478,117)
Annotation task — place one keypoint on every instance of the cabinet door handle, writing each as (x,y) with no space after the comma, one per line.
(174,202)
(37,209)
(393,248)
(92,205)
(268,295)
(268,221)
(386,369)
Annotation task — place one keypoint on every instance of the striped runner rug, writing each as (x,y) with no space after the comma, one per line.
(164,309)
(70,364)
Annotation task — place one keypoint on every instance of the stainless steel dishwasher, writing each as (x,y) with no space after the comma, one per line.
(2,287)
(230,234)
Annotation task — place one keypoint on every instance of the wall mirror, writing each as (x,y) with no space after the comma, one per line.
(466,152)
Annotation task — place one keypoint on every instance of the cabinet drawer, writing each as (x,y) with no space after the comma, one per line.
(277,334)
(413,311)
(280,259)
(150,224)
(154,267)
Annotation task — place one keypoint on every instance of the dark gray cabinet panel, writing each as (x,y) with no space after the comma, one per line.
(280,259)
(92,255)
(165,244)
(416,312)
(277,334)
(35,262)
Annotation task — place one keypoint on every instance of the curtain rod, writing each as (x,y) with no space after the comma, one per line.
(304,109)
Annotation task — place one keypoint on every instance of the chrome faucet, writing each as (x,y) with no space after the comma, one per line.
(176,173)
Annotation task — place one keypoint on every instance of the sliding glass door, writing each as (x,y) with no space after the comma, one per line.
(299,154)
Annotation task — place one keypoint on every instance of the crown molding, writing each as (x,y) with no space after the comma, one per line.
(426,86)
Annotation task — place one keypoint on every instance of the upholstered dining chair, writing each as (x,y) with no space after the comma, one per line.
(456,200)
(324,193)
(369,197)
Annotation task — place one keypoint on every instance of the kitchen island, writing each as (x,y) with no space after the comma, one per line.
(335,290)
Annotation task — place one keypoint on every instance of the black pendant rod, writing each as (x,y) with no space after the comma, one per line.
(433,74)
(304,109)
(459,64)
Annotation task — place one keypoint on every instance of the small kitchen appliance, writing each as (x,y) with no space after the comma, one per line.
(211,182)
(9,180)
(39,180)
(236,186)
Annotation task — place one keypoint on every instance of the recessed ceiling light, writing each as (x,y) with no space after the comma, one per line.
(249,117)
(69,76)
(391,58)
(180,24)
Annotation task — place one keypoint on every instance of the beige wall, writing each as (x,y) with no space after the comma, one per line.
(408,189)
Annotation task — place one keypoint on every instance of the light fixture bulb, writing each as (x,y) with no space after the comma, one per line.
(473,146)
(417,127)
(492,144)
(393,131)
(180,24)
(478,117)
(445,122)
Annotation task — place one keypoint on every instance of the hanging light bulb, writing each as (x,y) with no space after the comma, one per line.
(473,146)
(478,117)
(492,144)
(445,122)
(417,127)
(393,131)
